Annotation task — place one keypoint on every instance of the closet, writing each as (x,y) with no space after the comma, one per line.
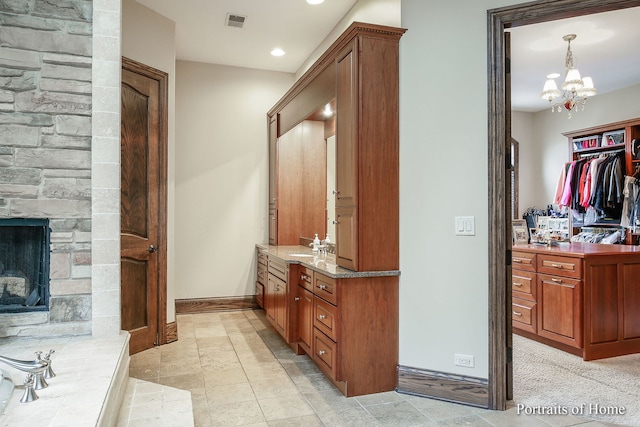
(600,183)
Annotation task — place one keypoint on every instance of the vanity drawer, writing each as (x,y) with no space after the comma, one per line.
(523,313)
(325,318)
(262,258)
(523,284)
(326,288)
(326,354)
(278,268)
(523,261)
(560,266)
(305,278)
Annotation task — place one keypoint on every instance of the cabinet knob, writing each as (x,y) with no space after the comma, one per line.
(321,353)
(335,192)
(151,249)
(335,222)
(322,317)
(297,298)
(323,287)
(515,313)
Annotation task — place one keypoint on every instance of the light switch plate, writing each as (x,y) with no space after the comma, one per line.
(465,226)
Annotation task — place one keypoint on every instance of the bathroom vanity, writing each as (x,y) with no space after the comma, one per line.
(345,321)
(583,298)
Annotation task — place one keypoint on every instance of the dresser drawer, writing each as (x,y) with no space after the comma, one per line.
(325,354)
(325,318)
(523,284)
(560,266)
(305,278)
(523,314)
(523,261)
(326,288)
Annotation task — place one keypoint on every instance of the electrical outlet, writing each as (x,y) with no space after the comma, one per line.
(464,360)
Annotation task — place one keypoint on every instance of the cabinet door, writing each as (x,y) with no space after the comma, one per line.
(346,237)
(560,309)
(305,319)
(281,308)
(346,129)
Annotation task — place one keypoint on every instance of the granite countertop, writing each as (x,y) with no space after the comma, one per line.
(579,249)
(324,264)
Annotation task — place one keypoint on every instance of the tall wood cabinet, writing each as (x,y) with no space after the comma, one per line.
(360,72)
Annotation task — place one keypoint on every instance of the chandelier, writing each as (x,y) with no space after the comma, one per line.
(575,90)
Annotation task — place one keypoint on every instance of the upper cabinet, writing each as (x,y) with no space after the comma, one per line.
(359,75)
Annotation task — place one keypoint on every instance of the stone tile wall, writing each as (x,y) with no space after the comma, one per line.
(45,148)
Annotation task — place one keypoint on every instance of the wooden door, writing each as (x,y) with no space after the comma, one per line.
(143,205)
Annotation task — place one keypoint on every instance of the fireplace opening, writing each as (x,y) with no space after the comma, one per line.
(24,265)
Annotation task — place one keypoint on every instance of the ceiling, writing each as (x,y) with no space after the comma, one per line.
(606,47)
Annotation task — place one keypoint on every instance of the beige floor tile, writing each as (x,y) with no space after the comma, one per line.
(228,393)
(264,389)
(398,413)
(285,407)
(236,413)
(224,376)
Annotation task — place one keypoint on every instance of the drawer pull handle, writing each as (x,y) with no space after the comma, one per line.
(305,278)
(553,279)
(323,287)
(518,284)
(322,317)
(517,260)
(321,353)
(515,313)
(297,298)
(557,266)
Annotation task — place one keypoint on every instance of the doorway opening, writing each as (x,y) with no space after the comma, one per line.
(499,137)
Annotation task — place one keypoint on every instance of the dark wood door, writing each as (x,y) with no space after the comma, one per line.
(143,176)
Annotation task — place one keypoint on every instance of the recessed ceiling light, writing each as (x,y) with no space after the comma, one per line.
(277,52)
(315,1)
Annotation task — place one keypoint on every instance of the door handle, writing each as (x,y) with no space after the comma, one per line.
(151,249)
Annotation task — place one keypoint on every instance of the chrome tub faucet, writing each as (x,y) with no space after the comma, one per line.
(37,370)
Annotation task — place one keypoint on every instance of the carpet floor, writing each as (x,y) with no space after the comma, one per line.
(547,379)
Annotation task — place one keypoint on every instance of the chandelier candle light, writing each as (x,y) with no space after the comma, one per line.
(575,90)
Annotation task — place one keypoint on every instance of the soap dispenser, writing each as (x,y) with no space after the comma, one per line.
(316,243)
(326,240)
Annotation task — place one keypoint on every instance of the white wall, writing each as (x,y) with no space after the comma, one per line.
(443,174)
(381,12)
(221,175)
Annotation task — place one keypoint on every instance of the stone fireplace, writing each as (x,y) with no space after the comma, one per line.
(46,160)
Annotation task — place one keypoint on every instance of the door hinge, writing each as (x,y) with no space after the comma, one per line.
(509,255)
(509,355)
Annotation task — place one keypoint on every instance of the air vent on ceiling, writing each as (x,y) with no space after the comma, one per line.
(235,20)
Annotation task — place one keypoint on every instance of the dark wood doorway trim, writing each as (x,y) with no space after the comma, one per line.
(163,80)
(499,159)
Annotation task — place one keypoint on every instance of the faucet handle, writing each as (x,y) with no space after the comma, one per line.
(48,373)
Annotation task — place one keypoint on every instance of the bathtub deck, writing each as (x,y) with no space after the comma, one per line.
(89,387)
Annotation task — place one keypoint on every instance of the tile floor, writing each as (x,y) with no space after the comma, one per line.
(240,373)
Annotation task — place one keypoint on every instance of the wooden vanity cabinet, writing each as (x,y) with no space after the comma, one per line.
(524,286)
